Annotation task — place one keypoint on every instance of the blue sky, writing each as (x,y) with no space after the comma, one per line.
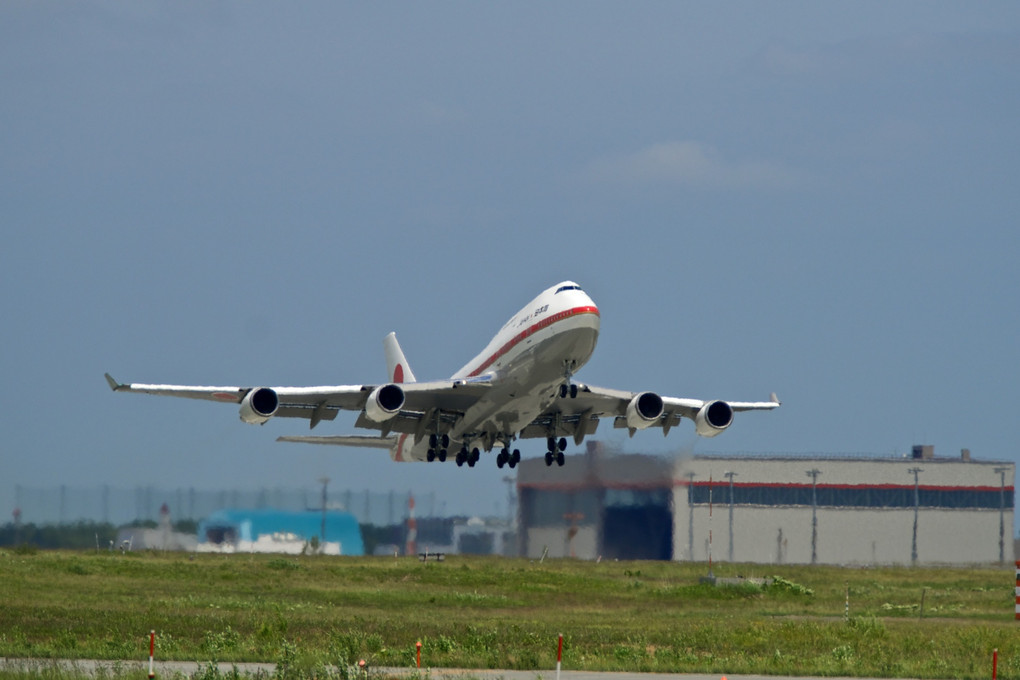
(814,198)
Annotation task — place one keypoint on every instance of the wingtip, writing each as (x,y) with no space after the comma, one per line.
(114,385)
(775,399)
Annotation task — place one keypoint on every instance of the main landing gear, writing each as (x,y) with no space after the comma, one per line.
(555,452)
(469,457)
(437,447)
(504,457)
(438,451)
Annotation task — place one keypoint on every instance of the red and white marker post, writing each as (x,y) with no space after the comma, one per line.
(418,648)
(559,657)
(152,652)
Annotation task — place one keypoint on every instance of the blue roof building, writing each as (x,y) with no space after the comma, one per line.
(270,530)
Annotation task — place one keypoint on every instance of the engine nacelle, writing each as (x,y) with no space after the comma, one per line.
(259,405)
(384,402)
(643,410)
(713,418)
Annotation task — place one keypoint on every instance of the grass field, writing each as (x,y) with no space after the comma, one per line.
(472,612)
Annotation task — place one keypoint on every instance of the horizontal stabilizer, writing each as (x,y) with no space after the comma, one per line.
(363,441)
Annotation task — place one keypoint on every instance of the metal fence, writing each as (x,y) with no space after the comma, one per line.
(117,505)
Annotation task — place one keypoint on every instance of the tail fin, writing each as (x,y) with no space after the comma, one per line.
(397,369)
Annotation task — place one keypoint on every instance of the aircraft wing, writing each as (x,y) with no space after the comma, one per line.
(444,400)
(580,416)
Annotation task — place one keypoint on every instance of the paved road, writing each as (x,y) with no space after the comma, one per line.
(169,668)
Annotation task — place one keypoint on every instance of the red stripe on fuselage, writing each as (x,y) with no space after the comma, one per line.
(531,330)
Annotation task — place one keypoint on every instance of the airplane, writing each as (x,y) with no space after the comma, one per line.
(519,387)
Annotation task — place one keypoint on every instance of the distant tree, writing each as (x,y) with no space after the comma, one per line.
(374,536)
(76,536)
(186,526)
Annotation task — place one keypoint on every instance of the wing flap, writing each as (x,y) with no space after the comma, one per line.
(355,440)
(756,405)
(316,414)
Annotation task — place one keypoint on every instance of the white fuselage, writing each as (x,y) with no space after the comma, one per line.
(534,353)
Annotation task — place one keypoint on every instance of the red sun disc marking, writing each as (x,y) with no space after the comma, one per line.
(398,374)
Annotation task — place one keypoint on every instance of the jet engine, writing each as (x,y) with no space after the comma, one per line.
(643,410)
(713,418)
(259,405)
(384,402)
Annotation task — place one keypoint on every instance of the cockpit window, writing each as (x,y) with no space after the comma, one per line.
(563,288)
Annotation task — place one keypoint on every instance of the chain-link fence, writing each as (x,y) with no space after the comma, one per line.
(117,505)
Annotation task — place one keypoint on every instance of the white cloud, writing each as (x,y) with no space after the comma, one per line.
(694,165)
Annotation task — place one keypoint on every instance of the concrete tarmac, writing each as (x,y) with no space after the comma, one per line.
(170,669)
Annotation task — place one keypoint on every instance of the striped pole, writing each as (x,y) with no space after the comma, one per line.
(1018,590)
(152,651)
(559,657)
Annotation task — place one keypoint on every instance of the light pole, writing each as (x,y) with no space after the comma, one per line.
(510,514)
(1002,513)
(731,475)
(813,474)
(917,503)
(322,531)
(690,516)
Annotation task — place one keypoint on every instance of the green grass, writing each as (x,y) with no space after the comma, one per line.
(472,612)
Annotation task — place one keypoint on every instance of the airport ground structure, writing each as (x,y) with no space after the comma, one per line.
(841,510)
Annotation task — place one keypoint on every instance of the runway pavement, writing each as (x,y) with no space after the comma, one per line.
(168,669)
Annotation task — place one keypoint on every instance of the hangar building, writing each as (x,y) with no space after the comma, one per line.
(916,509)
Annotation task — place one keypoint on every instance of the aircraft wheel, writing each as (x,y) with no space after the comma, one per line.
(512,463)
(560,459)
(431,455)
(442,455)
(475,454)
(548,458)
(433,441)
(550,443)
(446,441)
(516,457)
(563,443)
(563,390)
(573,391)
(461,457)
(500,460)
